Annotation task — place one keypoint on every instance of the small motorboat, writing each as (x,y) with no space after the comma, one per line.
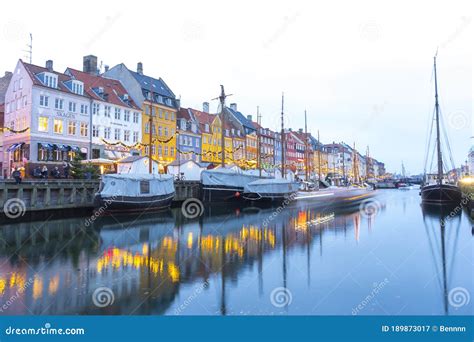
(334,195)
(273,189)
(133,192)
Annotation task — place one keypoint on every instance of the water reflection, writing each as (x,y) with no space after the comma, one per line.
(154,263)
(442,229)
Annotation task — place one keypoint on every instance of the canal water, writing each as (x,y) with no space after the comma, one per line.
(386,257)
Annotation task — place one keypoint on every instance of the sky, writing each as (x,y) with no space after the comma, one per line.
(361,69)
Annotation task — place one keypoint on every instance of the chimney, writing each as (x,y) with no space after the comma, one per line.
(106,68)
(205,107)
(89,64)
(249,117)
(140,68)
(8,74)
(300,130)
(233,106)
(49,65)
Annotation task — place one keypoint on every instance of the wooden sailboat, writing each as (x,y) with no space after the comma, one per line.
(222,184)
(438,191)
(269,189)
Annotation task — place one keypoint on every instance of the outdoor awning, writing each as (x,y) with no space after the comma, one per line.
(111,154)
(45,146)
(15,147)
(75,149)
(62,147)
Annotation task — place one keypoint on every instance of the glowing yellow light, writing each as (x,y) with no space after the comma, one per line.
(145,249)
(467,180)
(190,240)
(53,285)
(173,271)
(37,287)
(2,286)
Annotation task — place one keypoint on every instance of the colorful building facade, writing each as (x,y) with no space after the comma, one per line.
(159,109)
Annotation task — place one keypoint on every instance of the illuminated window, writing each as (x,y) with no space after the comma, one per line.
(43,124)
(58,126)
(84,129)
(71,128)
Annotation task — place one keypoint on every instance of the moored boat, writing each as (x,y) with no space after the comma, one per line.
(334,196)
(437,189)
(224,184)
(272,190)
(133,192)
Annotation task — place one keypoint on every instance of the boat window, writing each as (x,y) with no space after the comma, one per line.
(144,187)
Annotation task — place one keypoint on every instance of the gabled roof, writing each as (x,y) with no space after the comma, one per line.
(241,118)
(183,113)
(34,70)
(113,88)
(153,84)
(203,117)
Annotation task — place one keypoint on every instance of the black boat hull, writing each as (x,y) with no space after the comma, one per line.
(132,204)
(222,194)
(441,194)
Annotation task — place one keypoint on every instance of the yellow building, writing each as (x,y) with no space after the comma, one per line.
(251,150)
(211,141)
(163,128)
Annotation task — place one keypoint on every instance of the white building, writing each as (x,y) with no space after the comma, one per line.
(49,115)
(116,119)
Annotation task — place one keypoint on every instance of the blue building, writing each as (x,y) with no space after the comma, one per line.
(189,135)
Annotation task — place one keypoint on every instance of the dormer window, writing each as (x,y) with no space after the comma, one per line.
(50,80)
(206,127)
(77,87)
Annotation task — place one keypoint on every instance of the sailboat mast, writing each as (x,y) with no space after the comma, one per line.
(306,152)
(438,141)
(259,143)
(367,166)
(283,175)
(222,100)
(150,141)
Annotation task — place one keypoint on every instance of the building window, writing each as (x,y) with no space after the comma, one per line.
(58,126)
(107,110)
(135,117)
(44,100)
(166,115)
(166,131)
(117,114)
(160,150)
(171,151)
(126,115)
(43,124)
(72,106)
(166,150)
(147,127)
(71,128)
(84,109)
(117,134)
(126,135)
(160,130)
(197,142)
(95,131)
(107,132)
(58,103)
(84,129)
(135,137)
(95,108)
